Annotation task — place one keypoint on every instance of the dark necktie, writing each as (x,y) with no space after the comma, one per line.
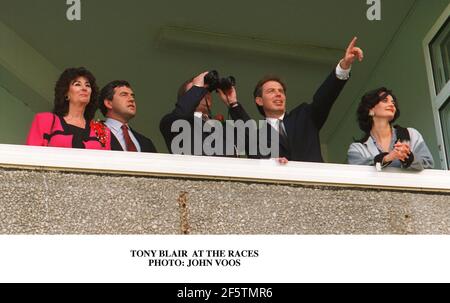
(282,131)
(129,143)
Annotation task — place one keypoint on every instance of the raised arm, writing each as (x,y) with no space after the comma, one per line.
(188,102)
(330,89)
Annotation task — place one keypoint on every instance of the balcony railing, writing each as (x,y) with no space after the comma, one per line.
(70,191)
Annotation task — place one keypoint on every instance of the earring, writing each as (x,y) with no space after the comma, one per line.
(372,114)
(66,98)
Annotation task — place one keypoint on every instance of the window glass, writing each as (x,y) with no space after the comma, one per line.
(440,57)
(444,113)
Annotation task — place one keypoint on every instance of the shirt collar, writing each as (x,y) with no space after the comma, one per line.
(114,124)
(274,121)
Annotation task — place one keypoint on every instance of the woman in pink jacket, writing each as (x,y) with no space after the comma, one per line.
(71,124)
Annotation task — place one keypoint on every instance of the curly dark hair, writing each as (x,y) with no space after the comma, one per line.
(257,92)
(61,105)
(107,93)
(368,101)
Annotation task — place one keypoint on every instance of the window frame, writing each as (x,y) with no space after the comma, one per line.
(437,99)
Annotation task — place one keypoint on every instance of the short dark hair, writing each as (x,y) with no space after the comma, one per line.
(368,101)
(258,89)
(107,93)
(61,105)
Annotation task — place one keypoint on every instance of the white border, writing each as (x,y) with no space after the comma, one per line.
(281,259)
(19,156)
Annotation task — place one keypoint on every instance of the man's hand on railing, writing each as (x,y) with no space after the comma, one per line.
(282,160)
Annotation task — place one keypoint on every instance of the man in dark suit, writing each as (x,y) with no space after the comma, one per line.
(117,104)
(189,117)
(299,129)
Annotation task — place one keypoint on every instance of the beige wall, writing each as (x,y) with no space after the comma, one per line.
(13,112)
(24,85)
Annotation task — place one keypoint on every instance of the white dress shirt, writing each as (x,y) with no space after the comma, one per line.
(116,129)
(274,122)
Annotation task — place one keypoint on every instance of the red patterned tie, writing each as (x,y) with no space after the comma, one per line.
(130,145)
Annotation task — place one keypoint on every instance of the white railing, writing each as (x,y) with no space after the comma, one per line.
(18,156)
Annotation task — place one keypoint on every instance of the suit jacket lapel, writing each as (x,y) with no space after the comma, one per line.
(283,144)
(138,138)
(115,145)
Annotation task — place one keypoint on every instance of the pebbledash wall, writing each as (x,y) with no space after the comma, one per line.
(65,191)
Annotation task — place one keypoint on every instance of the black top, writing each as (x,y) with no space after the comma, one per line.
(79,135)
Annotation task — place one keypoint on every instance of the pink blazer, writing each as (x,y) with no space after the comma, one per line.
(47,129)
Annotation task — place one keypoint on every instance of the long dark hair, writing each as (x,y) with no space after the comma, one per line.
(368,101)
(61,105)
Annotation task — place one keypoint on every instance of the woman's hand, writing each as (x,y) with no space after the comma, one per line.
(401,152)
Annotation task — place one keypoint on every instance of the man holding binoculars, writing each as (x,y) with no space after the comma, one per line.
(184,129)
(292,136)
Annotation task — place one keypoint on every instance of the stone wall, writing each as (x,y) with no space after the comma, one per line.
(54,202)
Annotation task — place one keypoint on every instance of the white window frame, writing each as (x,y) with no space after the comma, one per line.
(437,100)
